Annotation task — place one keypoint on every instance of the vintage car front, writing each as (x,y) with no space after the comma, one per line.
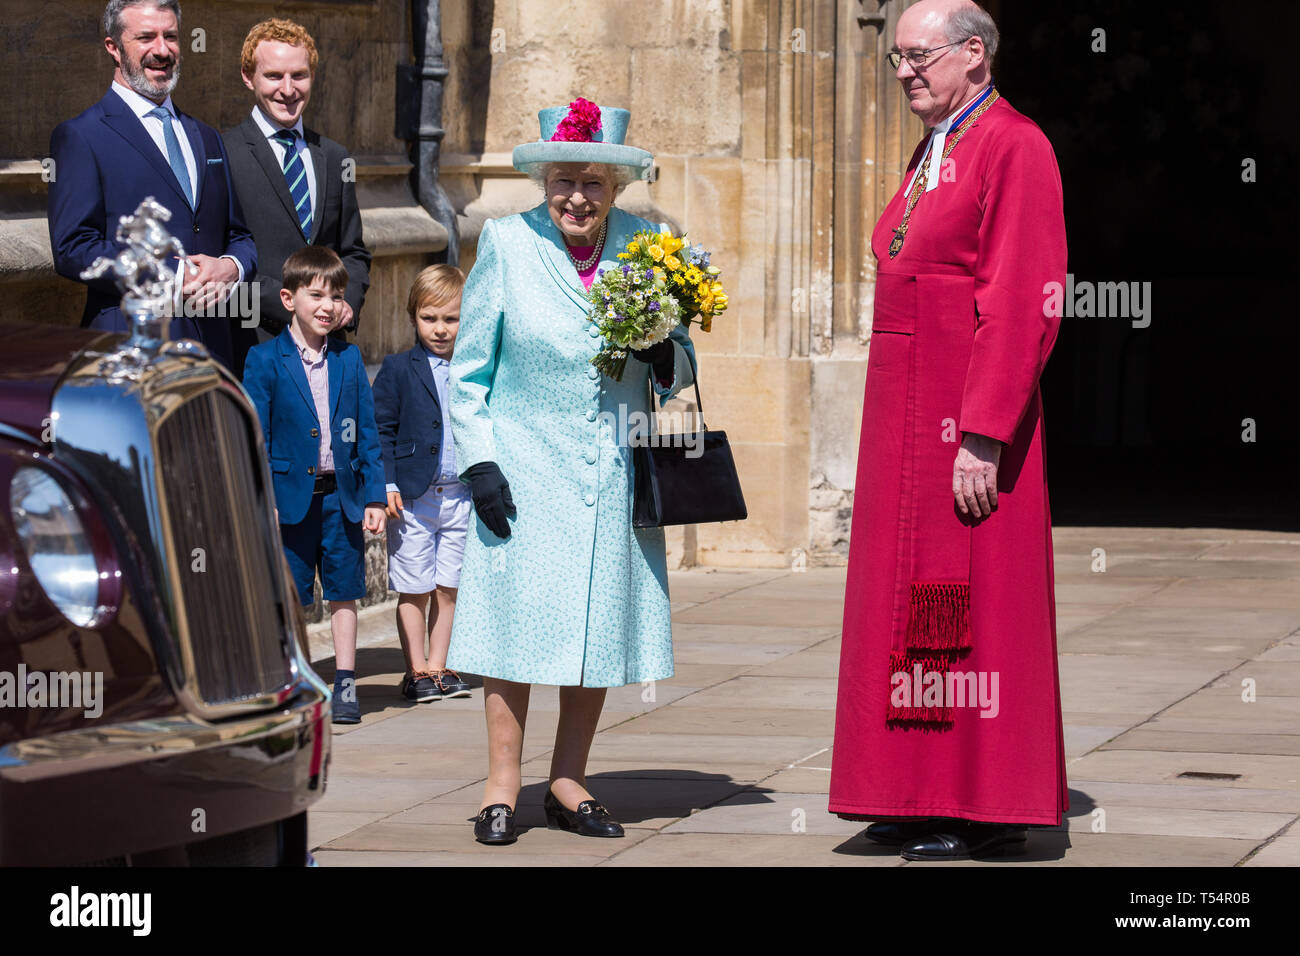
(156,704)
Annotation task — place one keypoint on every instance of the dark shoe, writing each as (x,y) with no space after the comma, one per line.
(419,688)
(899,832)
(495,825)
(590,819)
(345,712)
(450,684)
(962,840)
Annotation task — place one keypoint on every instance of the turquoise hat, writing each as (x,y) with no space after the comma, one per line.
(587,144)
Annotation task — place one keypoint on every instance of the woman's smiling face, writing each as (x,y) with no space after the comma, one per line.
(578,197)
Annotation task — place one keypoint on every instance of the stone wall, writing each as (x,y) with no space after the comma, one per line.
(58,49)
(779,133)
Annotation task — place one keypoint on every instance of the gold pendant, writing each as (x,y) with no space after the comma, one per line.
(896,244)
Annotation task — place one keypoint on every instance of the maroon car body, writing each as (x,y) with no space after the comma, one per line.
(209,737)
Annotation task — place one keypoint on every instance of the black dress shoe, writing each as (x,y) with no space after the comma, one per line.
(590,819)
(962,840)
(900,832)
(495,825)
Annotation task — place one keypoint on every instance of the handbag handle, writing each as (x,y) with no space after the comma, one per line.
(695,379)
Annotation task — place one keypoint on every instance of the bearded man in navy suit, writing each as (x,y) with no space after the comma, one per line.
(132,144)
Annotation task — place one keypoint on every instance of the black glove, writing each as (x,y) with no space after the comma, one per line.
(491,494)
(659,357)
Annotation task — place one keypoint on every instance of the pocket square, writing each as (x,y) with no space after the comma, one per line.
(215,162)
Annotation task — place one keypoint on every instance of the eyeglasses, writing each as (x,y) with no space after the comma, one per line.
(917,58)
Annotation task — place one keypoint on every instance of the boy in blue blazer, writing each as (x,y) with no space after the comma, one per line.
(428,506)
(329,481)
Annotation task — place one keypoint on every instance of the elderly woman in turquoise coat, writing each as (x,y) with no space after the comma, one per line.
(557,586)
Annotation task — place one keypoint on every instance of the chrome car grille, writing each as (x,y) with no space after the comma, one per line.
(227,575)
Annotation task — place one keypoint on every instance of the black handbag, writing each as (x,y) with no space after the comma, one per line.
(676,484)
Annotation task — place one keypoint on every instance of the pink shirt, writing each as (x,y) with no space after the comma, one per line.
(578,253)
(318,380)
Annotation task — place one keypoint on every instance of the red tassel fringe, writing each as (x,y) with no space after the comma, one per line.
(939,616)
(905,662)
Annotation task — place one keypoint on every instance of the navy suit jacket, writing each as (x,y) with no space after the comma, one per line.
(275,381)
(105,164)
(410,422)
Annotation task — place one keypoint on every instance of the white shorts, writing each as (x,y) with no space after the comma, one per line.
(426,546)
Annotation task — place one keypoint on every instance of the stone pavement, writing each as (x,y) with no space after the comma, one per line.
(728,761)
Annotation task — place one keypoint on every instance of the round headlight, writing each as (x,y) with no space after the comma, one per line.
(58,548)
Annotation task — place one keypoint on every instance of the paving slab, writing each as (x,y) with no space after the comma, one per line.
(1152,736)
(326,825)
(1230,593)
(760,810)
(738,721)
(1168,821)
(803,779)
(418,837)
(711,652)
(1226,633)
(763,693)
(1086,794)
(727,762)
(753,608)
(1284,851)
(1102,683)
(1255,771)
(381,793)
(510,855)
(812,662)
(751,633)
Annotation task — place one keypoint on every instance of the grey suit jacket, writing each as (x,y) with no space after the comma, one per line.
(269,214)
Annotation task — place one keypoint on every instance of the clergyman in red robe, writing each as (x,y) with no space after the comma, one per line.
(948,721)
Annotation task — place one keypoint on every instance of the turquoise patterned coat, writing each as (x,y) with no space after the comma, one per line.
(575,595)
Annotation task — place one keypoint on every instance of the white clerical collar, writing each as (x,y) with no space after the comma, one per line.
(141,106)
(935,149)
(269,128)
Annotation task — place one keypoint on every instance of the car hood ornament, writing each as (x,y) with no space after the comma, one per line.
(151,287)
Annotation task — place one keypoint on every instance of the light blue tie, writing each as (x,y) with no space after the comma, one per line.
(295,175)
(174,154)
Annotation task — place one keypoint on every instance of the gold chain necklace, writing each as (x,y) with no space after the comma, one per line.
(923,175)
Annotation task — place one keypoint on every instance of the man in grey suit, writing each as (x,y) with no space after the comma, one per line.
(291,181)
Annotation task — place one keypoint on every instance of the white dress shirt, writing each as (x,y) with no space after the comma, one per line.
(269,129)
(937,137)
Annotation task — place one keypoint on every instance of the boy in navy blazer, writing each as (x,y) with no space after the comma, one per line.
(318,420)
(427,504)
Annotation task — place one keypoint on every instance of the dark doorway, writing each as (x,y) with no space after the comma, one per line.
(1148,425)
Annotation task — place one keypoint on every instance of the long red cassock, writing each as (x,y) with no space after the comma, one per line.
(959,340)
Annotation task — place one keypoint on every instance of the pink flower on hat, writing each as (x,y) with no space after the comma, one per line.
(583,121)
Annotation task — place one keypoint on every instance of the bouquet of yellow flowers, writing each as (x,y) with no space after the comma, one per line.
(663,281)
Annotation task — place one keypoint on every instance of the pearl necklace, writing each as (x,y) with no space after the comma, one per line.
(592,259)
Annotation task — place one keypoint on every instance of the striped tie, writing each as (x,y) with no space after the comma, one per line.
(295,175)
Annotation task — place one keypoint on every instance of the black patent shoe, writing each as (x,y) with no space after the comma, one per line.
(590,819)
(495,825)
(961,841)
(899,832)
